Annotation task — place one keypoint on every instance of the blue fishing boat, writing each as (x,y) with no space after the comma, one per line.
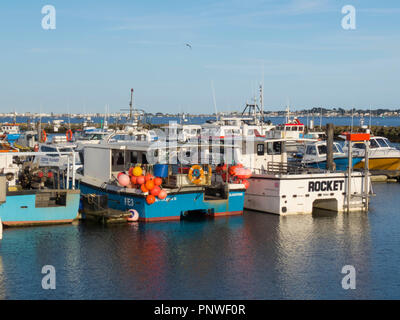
(183,189)
(315,156)
(30,195)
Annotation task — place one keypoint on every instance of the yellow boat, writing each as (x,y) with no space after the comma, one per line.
(382,156)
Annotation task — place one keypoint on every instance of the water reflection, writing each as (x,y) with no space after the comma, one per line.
(313,249)
(254,256)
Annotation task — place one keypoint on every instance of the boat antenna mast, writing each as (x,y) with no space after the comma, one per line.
(262,102)
(215,102)
(131,105)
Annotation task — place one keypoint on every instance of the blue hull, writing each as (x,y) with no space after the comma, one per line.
(22,208)
(172,207)
(12,137)
(341,163)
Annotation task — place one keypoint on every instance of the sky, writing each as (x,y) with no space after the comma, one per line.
(100,49)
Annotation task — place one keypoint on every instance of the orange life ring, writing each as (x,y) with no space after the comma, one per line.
(43,138)
(69,135)
(196,174)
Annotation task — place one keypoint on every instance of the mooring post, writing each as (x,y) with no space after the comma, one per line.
(366,174)
(1,229)
(349,172)
(329,146)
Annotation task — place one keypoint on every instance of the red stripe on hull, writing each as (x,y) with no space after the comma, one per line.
(177,218)
(229,213)
(174,218)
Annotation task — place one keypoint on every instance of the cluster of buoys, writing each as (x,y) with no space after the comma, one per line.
(238,173)
(147,183)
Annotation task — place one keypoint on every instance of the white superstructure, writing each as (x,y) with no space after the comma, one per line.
(279,187)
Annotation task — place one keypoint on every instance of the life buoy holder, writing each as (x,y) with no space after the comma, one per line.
(196,174)
(69,135)
(43,138)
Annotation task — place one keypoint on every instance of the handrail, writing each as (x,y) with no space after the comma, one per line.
(285,168)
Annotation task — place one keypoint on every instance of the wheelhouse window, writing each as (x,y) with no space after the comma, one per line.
(311,150)
(322,149)
(374,144)
(260,149)
(274,148)
(134,157)
(337,148)
(382,142)
(359,146)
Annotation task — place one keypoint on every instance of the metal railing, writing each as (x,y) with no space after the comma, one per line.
(286,168)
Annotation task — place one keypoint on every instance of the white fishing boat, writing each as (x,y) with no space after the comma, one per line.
(54,155)
(279,187)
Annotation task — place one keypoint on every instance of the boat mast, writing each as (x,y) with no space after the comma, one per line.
(262,102)
(130,105)
(215,102)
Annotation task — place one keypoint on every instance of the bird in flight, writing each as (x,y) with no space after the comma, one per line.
(188,45)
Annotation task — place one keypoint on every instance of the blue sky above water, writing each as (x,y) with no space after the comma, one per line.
(100,49)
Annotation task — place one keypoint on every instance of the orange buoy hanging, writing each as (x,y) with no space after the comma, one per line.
(150,199)
(69,135)
(149,184)
(43,138)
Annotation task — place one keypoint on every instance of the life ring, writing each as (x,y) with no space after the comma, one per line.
(69,135)
(43,138)
(134,215)
(196,174)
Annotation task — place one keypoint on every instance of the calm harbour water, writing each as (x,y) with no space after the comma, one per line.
(254,256)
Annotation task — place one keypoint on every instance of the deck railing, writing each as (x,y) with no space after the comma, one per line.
(286,168)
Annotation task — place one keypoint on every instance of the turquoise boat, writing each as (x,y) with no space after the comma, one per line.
(29,196)
(23,208)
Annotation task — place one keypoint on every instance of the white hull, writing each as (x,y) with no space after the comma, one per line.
(300,193)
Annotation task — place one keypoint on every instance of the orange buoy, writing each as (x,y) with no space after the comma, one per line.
(150,199)
(157,181)
(140,179)
(148,177)
(149,184)
(133,179)
(155,191)
(143,188)
(162,194)
(69,135)
(130,171)
(246,183)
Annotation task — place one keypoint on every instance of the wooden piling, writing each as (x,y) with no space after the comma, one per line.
(329,146)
